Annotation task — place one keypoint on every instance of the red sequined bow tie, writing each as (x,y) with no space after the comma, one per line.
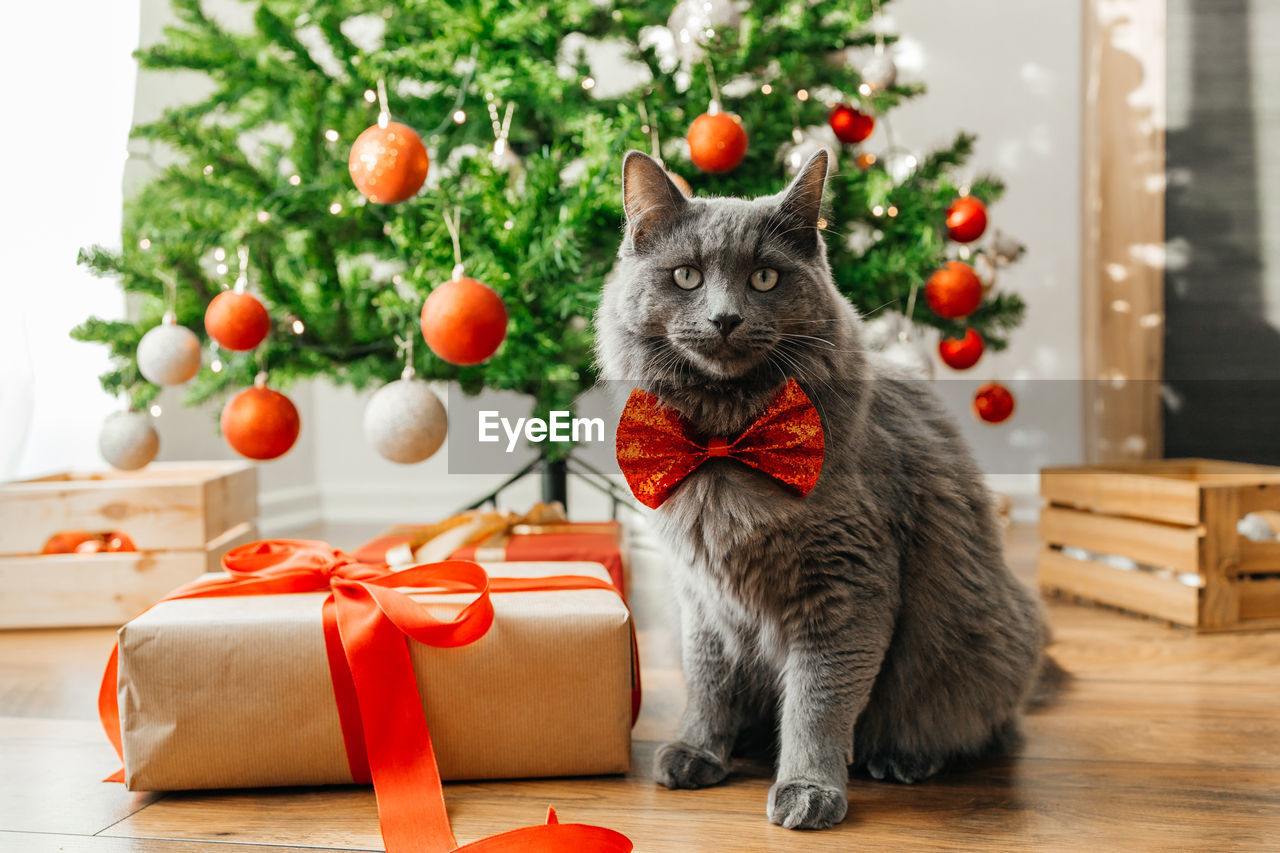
(657,448)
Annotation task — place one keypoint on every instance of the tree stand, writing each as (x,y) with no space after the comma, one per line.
(555,484)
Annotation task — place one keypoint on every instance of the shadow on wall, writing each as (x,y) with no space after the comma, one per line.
(1222,356)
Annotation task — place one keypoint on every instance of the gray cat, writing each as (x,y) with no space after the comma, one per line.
(870,624)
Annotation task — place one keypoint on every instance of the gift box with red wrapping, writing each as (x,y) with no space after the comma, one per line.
(542,535)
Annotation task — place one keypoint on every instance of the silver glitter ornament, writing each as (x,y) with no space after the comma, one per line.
(169,354)
(405,421)
(879,73)
(911,356)
(985,268)
(128,440)
(694,23)
(882,329)
(1006,249)
(804,144)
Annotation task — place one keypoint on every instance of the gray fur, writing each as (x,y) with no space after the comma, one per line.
(872,623)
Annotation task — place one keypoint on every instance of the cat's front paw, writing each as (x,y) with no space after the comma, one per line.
(801,804)
(680,765)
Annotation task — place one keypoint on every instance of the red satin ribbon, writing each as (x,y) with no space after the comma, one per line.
(366,621)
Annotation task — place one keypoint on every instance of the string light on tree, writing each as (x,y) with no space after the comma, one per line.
(388,161)
(260,423)
(993,403)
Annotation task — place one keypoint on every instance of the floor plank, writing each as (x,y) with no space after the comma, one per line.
(1165,740)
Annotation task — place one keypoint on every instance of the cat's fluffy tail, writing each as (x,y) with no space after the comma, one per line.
(1050,682)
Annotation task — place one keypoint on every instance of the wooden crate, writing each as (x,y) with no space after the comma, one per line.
(181,516)
(1176,520)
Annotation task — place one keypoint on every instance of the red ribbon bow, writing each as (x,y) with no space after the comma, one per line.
(366,621)
(657,448)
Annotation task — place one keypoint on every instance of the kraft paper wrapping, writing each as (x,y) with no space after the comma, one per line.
(235,692)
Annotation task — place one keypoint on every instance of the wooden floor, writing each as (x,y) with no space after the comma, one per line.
(1165,741)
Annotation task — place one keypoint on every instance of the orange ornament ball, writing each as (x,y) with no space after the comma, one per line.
(954,290)
(388,164)
(237,321)
(850,125)
(961,353)
(993,403)
(464,321)
(966,219)
(717,142)
(260,423)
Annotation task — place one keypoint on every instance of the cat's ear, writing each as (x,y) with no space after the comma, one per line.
(648,196)
(803,199)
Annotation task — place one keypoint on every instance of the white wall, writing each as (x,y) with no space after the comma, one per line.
(1006,70)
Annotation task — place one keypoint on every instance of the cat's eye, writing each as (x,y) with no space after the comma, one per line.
(687,277)
(764,279)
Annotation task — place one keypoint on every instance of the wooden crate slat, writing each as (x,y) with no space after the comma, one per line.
(1138,591)
(1168,499)
(241,534)
(100,589)
(176,506)
(1258,558)
(1260,599)
(1146,542)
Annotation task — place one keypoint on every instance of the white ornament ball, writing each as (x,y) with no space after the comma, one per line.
(694,23)
(169,354)
(911,357)
(1007,249)
(128,440)
(985,268)
(405,421)
(882,329)
(804,145)
(879,73)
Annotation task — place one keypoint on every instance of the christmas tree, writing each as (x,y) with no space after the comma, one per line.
(523,187)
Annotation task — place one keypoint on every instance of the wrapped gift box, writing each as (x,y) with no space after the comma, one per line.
(236,692)
(541,535)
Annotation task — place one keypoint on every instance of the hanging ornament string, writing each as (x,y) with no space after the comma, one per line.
(453,221)
(404,347)
(713,86)
(384,109)
(460,99)
(652,130)
(911,311)
(242,280)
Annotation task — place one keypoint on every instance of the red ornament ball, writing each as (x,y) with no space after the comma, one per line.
(464,321)
(993,403)
(961,353)
(388,164)
(237,321)
(966,219)
(850,125)
(260,423)
(954,290)
(717,142)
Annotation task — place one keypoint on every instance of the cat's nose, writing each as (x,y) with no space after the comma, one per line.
(726,323)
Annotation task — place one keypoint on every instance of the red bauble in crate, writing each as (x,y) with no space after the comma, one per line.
(993,403)
(966,219)
(464,321)
(260,423)
(237,321)
(388,164)
(717,142)
(850,125)
(954,290)
(66,542)
(961,353)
